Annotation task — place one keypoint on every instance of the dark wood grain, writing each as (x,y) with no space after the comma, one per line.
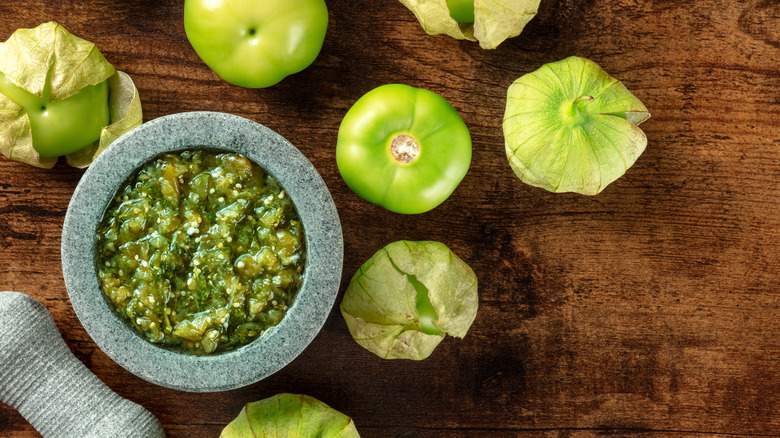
(650,310)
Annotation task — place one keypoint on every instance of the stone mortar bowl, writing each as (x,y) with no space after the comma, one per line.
(279,345)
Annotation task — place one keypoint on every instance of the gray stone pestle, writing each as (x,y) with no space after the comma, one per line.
(51,388)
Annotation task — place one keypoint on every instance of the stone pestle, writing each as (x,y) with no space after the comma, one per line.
(51,388)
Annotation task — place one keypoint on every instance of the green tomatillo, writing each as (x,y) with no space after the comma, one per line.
(290,416)
(63,127)
(571,127)
(407,297)
(404,148)
(256,44)
(461,11)
(60,96)
(490,22)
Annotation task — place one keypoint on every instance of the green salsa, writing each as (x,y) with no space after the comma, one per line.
(201,252)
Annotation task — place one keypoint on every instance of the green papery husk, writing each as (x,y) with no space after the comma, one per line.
(290,416)
(548,148)
(28,57)
(16,141)
(380,306)
(29,54)
(494,20)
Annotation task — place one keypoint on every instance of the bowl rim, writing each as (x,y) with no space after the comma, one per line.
(279,345)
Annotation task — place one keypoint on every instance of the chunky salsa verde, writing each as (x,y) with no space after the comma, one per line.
(201,251)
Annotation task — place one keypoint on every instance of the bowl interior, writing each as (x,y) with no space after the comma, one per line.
(277,346)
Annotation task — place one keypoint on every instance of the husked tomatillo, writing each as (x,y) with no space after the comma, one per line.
(404,148)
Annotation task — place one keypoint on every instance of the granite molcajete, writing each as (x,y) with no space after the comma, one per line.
(280,344)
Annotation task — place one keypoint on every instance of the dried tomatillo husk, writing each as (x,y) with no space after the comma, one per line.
(493,21)
(291,416)
(60,96)
(571,127)
(404,300)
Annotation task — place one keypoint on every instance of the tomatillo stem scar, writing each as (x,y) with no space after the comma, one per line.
(404,148)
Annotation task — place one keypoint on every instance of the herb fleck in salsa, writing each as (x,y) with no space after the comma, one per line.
(201,252)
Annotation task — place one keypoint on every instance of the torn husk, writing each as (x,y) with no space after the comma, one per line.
(494,20)
(381,305)
(31,59)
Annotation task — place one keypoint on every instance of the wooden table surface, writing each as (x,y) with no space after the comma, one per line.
(648,310)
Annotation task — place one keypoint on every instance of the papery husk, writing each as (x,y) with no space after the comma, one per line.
(290,416)
(29,58)
(494,20)
(547,151)
(380,306)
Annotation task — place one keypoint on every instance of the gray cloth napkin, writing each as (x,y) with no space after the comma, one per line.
(51,388)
